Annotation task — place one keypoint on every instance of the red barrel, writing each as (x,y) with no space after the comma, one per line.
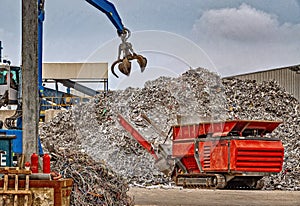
(46,164)
(34,163)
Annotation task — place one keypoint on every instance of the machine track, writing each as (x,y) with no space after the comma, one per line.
(256,185)
(203,181)
(217,181)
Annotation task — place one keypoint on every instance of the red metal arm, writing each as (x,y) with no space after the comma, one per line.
(136,135)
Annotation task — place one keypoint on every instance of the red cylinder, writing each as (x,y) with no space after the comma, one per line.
(46,164)
(27,165)
(34,163)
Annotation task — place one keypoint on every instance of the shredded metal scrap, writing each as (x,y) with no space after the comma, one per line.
(94,182)
(251,100)
(94,129)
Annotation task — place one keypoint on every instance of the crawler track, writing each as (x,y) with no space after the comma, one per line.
(205,181)
(217,181)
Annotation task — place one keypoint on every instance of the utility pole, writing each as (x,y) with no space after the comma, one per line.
(30,97)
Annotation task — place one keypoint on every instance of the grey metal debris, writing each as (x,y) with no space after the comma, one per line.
(93,129)
(251,100)
(94,182)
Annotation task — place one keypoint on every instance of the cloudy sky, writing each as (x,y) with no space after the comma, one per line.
(228,36)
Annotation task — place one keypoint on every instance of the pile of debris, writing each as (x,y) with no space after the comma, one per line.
(94,182)
(198,92)
(248,99)
(161,101)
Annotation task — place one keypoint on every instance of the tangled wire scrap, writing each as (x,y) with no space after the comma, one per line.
(94,183)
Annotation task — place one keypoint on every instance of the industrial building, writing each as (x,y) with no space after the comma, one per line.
(287,77)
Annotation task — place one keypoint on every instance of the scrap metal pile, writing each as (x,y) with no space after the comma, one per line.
(248,99)
(93,130)
(94,182)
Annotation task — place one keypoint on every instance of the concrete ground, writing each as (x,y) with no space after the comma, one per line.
(205,197)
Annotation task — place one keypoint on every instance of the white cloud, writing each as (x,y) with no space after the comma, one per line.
(242,24)
(247,38)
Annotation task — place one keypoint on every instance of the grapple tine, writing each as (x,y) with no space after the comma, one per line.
(125,67)
(143,64)
(142,61)
(113,67)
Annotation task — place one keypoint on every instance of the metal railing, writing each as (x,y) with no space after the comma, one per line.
(62,102)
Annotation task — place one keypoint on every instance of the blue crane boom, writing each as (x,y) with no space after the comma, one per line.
(125,53)
(109,9)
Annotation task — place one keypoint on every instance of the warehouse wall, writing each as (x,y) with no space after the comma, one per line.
(287,77)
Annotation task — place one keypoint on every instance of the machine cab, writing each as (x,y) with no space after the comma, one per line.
(9,83)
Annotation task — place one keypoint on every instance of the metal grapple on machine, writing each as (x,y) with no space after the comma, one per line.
(126,54)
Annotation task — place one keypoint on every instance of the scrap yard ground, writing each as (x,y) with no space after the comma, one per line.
(204,197)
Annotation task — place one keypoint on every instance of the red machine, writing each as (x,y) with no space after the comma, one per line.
(231,154)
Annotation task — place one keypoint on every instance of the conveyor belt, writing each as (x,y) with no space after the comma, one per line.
(77,86)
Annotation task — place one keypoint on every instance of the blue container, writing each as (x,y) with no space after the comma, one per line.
(17,142)
(6,154)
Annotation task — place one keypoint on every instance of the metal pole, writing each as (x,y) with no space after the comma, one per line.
(30,98)
(1,51)
(41,18)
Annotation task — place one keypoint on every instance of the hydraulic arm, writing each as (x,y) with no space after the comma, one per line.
(110,11)
(126,52)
